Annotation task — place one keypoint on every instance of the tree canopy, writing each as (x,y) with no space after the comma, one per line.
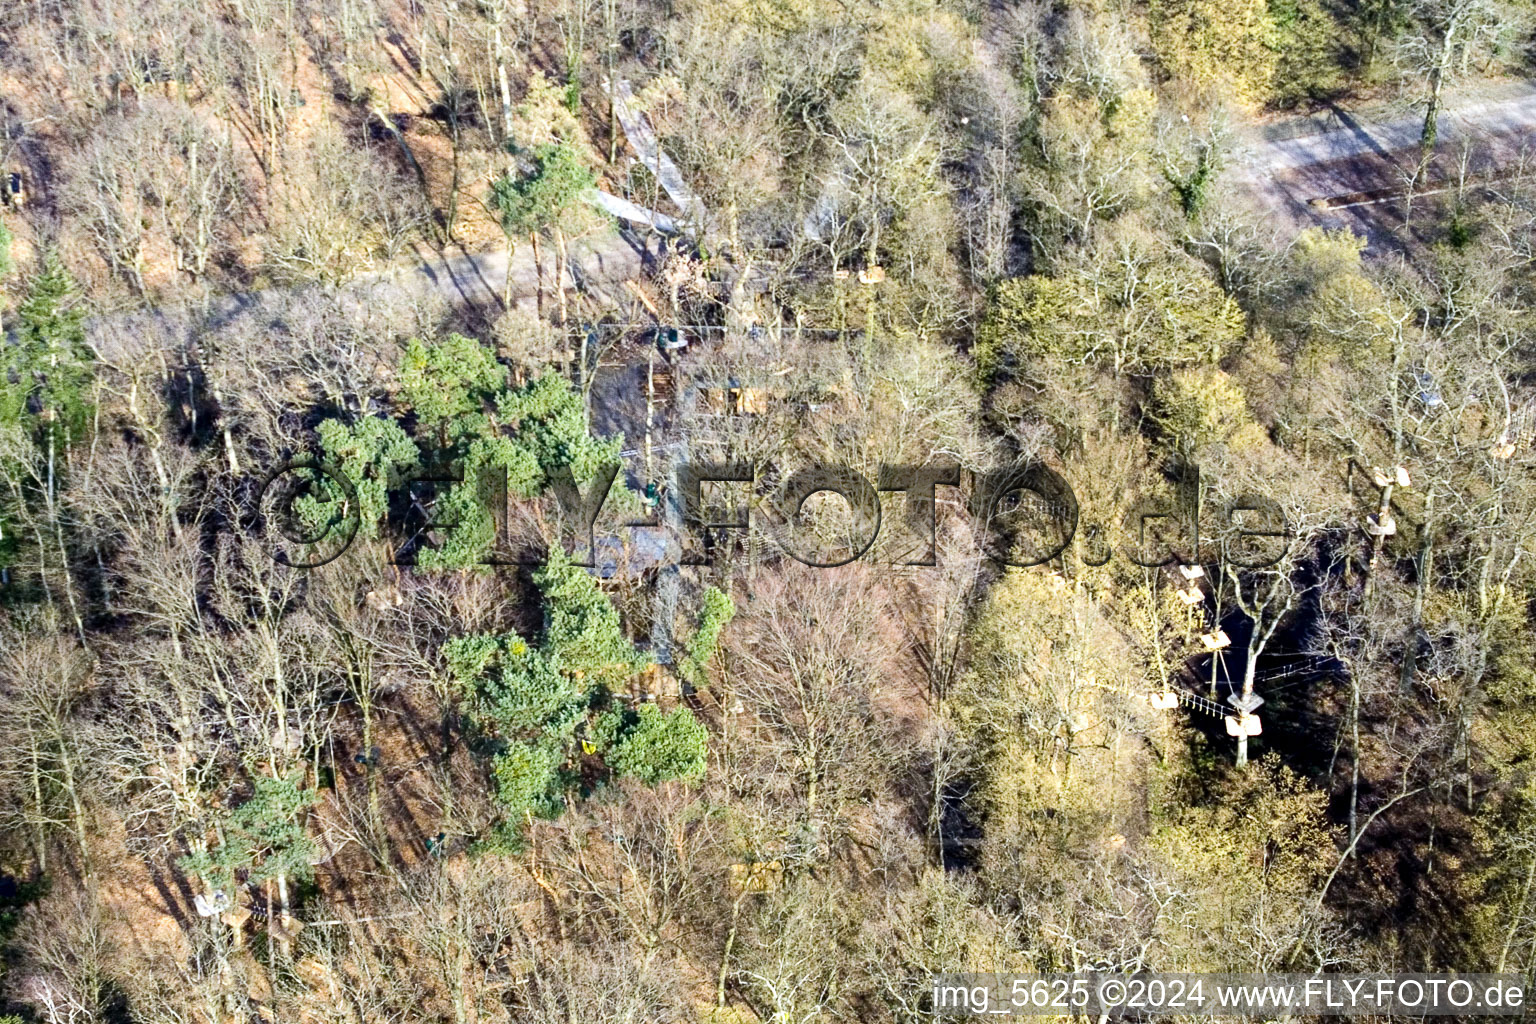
(552,703)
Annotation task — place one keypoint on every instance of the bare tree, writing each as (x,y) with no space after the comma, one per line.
(44,681)
(807,660)
(339,212)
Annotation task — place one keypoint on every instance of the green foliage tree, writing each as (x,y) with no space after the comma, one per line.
(469,422)
(374,454)
(264,836)
(548,704)
(534,202)
(1193,188)
(528,783)
(46,382)
(466,506)
(548,433)
(551,424)
(656,747)
(717,612)
(581,626)
(544,200)
(451,384)
(46,377)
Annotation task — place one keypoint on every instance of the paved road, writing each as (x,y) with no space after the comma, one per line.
(1299,167)
(479,279)
(473,281)
(1285,166)
(1335,133)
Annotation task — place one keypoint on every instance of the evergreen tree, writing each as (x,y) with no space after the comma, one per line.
(552,425)
(264,837)
(46,377)
(534,203)
(495,440)
(549,704)
(48,372)
(451,384)
(544,201)
(537,430)
(375,454)
(718,610)
(656,747)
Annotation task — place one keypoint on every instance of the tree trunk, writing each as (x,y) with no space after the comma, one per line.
(538,272)
(1354,769)
(506,287)
(1431,129)
(730,943)
(506,95)
(37,802)
(560,273)
(1518,915)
